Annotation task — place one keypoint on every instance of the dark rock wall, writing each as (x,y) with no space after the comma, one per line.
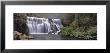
(20,22)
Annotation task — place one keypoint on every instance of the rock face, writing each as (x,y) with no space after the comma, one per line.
(20,22)
(20,36)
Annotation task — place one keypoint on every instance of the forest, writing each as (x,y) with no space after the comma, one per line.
(82,26)
(76,26)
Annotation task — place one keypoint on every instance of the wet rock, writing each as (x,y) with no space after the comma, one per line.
(21,36)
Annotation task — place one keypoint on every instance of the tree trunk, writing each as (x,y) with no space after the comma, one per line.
(76,19)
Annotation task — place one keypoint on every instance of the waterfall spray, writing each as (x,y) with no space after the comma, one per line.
(43,25)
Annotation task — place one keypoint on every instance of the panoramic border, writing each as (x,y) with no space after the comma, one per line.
(51,3)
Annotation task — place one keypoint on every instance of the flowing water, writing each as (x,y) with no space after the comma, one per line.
(43,25)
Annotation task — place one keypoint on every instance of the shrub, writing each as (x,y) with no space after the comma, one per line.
(70,32)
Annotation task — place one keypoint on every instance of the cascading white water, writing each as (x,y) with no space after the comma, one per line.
(42,25)
(58,23)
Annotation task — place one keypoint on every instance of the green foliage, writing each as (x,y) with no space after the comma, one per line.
(66,31)
(79,34)
(83,27)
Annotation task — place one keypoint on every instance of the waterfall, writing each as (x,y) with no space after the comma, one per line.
(42,25)
(58,23)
